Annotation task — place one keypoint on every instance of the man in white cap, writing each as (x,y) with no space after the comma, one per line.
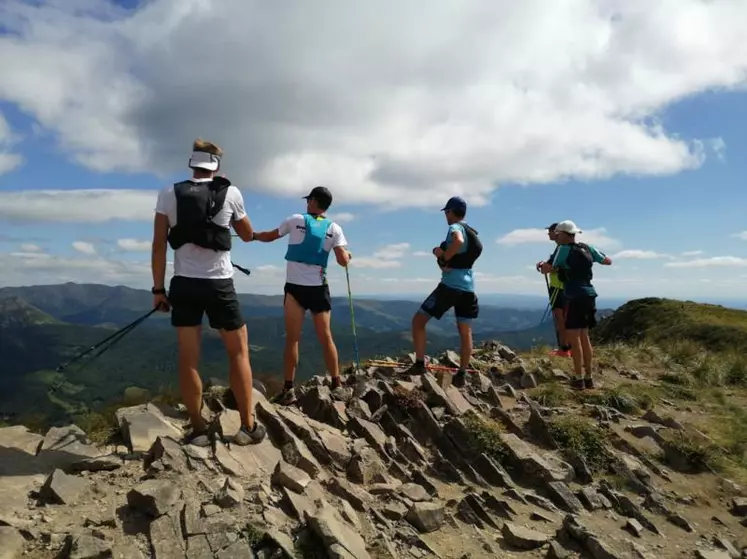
(194,217)
(573,262)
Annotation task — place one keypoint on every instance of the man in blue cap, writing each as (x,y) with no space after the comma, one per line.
(455,256)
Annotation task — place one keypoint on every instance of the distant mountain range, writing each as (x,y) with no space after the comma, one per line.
(44,326)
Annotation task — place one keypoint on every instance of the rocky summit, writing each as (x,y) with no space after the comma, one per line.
(514,464)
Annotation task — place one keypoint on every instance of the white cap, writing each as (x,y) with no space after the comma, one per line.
(567,226)
(204,160)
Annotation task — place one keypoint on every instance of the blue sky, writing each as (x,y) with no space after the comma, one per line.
(667,214)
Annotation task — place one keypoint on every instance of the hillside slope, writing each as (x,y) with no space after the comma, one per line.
(398,467)
(661,321)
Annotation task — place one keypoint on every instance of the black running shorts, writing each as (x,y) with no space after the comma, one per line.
(191,297)
(313,298)
(580,313)
(466,306)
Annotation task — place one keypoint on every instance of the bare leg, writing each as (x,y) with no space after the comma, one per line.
(588,351)
(240,372)
(574,337)
(190,384)
(294,314)
(419,320)
(324,335)
(465,345)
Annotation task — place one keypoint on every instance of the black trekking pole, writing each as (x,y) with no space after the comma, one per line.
(113,339)
(241,268)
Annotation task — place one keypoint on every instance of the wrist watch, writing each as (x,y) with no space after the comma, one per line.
(158,291)
(254,236)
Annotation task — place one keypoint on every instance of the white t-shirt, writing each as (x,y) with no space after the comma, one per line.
(308,274)
(193,261)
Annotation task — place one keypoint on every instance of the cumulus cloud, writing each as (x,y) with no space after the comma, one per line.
(134,245)
(84,247)
(742,235)
(30,247)
(77,206)
(692,253)
(713,262)
(597,237)
(639,255)
(343,217)
(8,159)
(432,112)
(420,253)
(388,256)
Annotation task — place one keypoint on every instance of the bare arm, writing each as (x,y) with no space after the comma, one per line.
(607,261)
(267,236)
(343,256)
(457,240)
(244,229)
(159,250)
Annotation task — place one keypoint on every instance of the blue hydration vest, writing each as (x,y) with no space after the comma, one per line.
(311,249)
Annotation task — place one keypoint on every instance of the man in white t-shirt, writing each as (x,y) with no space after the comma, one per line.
(195,217)
(311,237)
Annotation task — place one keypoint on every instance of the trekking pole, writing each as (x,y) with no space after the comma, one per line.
(352,321)
(241,268)
(114,338)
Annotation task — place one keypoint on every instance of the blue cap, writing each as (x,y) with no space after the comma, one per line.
(455,203)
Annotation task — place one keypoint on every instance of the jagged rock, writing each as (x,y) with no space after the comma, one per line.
(366,467)
(62,447)
(634,527)
(414,492)
(711,554)
(142,425)
(593,500)
(11,542)
(670,422)
(357,497)
(371,432)
(154,497)
(287,475)
(556,551)
(166,454)
(166,538)
(726,545)
(294,451)
(63,489)
(523,538)
(394,510)
(562,495)
(129,551)
(230,495)
(341,541)
(426,517)
(739,506)
(88,546)
(546,467)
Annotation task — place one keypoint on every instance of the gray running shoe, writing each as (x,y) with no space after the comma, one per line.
(246,437)
(286,397)
(197,438)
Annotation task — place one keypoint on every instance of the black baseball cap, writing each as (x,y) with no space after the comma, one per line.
(551,227)
(322,195)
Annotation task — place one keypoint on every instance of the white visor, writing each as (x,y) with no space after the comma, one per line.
(204,160)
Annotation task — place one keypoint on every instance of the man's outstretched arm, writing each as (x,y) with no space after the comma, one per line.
(267,236)
(159,249)
(343,256)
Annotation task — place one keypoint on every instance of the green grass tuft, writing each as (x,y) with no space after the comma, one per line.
(583,437)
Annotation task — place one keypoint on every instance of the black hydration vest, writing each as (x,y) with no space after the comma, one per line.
(197,203)
(466,259)
(578,265)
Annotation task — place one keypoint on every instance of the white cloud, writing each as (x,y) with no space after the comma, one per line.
(597,237)
(392,252)
(639,255)
(8,160)
(343,217)
(84,247)
(432,112)
(692,253)
(77,206)
(29,247)
(742,235)
(133,245)
(715,261)
(372,262)
(420,253)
